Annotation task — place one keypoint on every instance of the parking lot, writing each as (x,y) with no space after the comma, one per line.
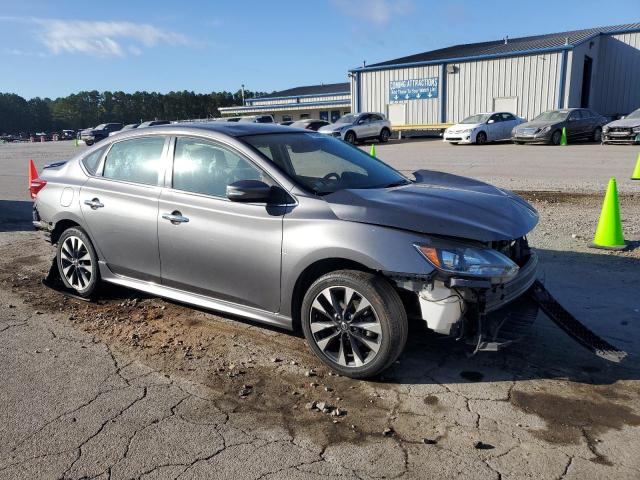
(137,387)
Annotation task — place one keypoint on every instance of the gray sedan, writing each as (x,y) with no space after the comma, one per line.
(295,229)
(580,124)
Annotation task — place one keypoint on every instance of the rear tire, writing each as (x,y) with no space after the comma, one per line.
(357,340)
(77,262)
(88,142)
(384,135)
(597,135)
(350,137)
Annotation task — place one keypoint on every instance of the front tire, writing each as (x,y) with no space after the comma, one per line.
(354,322)
(350,137)
(555,137)
(481,138)
(88,143)
(77,262)
(384,135)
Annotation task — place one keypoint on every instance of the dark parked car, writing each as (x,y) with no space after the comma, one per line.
(310,124)
(67,135)
(129,126)
(102,131)
(581,124)
(294,229)
(625,130)
(286,123)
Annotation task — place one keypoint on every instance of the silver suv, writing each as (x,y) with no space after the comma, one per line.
(355,127)
(295,229)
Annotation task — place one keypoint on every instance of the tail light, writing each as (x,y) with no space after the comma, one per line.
(35,182)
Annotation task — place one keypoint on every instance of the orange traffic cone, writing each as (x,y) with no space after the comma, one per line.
(35,183)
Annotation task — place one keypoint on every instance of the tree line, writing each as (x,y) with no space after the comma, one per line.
(88,109)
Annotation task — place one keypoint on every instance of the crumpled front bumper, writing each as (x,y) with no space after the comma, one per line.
(475,311)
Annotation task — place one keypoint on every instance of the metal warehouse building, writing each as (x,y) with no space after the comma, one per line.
(326,102)
(597,68)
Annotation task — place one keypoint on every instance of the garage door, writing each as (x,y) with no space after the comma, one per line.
(505,104)
(397,113)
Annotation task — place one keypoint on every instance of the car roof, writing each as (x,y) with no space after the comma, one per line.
(233,129)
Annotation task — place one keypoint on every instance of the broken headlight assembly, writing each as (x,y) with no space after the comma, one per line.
(469,261)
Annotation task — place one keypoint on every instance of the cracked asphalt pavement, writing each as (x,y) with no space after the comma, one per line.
(135,387)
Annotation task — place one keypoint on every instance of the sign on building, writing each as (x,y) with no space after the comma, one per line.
(415,89)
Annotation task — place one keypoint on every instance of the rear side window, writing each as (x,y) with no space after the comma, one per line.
(92,161)
(136,160)
(204,167)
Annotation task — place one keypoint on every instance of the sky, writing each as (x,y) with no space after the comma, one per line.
(52,49)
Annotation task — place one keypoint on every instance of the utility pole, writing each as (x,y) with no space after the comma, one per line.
(242,93)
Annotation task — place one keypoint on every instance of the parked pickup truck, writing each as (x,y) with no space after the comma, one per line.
(102,131)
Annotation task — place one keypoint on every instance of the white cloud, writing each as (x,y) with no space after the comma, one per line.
(374,11)
(99,38)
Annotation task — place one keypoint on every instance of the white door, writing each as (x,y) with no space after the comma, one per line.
(397,113)
(505,104)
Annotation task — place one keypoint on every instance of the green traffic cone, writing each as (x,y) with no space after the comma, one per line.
(563,138)
(636,171)
(609,232)
(373,150)
(76,141)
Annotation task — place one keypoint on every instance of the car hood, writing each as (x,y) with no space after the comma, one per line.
(463,126)
(334,127)
(439,203)
(625,122)
(539,124)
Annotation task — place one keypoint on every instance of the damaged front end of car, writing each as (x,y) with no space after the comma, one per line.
(478,292)
(489,296)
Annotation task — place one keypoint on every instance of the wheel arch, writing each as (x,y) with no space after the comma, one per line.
(314,271)
(475,139)
(355,135)
(63,222)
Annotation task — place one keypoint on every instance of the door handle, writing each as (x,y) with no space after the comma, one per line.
(94,203)
(175,217)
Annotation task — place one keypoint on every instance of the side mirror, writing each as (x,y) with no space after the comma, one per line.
(491,121)
(249,191)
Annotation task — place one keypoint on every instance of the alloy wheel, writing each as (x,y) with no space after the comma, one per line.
(345,326)
(76,264)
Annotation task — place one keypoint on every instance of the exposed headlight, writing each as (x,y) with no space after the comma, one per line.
(470,261)
(544,129)
(636,129)
(605,129)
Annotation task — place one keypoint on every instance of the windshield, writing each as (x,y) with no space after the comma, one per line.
(101,126)
(349,118)
(324,164)
(552,116)
(635,114)
(479,118)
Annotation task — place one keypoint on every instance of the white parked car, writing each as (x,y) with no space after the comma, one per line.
(483,128)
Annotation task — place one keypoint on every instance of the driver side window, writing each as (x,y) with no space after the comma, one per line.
(200,166)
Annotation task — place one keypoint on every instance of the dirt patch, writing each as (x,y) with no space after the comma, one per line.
(217,352)
(570,419)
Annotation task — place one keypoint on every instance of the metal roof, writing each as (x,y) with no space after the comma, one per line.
(512,46)
(309,90)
